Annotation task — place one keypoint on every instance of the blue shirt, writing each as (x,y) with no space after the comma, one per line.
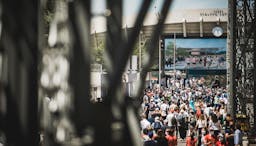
(238,137)
(192,105)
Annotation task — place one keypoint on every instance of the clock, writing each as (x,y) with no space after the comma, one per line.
(217,31)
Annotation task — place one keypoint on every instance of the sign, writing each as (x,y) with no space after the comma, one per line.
(201,72)
(216,13)
(195,53)
(174,16)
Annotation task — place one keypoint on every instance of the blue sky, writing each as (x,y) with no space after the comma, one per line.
(199,43)
(132,6)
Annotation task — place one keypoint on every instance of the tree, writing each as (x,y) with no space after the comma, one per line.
(169,49)
(179,51)
(98,52)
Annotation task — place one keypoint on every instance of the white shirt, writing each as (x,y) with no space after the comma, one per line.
(169,119)
(144,123)
(207,111)
(201,123)
(164,107)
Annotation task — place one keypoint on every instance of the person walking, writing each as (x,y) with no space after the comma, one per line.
(170,136)
(220,140)
(182,124)
(201,123)
(238,136)
(210,139)
(229,136)
(160,138)
(150,141)
(191,140)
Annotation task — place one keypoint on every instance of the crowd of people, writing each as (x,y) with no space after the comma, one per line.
(206,61)
(190,112)
(203,61)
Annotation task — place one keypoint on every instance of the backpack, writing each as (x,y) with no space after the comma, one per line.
(181,119)
(151,107)
(193,122)
(157,125)
(174,121)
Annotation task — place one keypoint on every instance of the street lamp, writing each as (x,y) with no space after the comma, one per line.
(159,49)
(140,47)
(159,61)
(174,56)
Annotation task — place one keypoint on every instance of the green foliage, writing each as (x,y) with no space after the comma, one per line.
(98,52)
(48,16)
(179,51)
(169,49)
(182,52)
(48,13)
(136,50)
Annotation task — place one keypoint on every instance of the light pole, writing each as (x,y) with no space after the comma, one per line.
(159,50)
(159,67)
(174,56)
(140,47)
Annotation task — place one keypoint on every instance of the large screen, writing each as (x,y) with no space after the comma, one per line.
(201,53)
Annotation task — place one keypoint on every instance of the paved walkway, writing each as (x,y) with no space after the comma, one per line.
(181,143)
(245,142)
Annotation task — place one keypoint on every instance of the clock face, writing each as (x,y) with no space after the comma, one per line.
(217,31)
